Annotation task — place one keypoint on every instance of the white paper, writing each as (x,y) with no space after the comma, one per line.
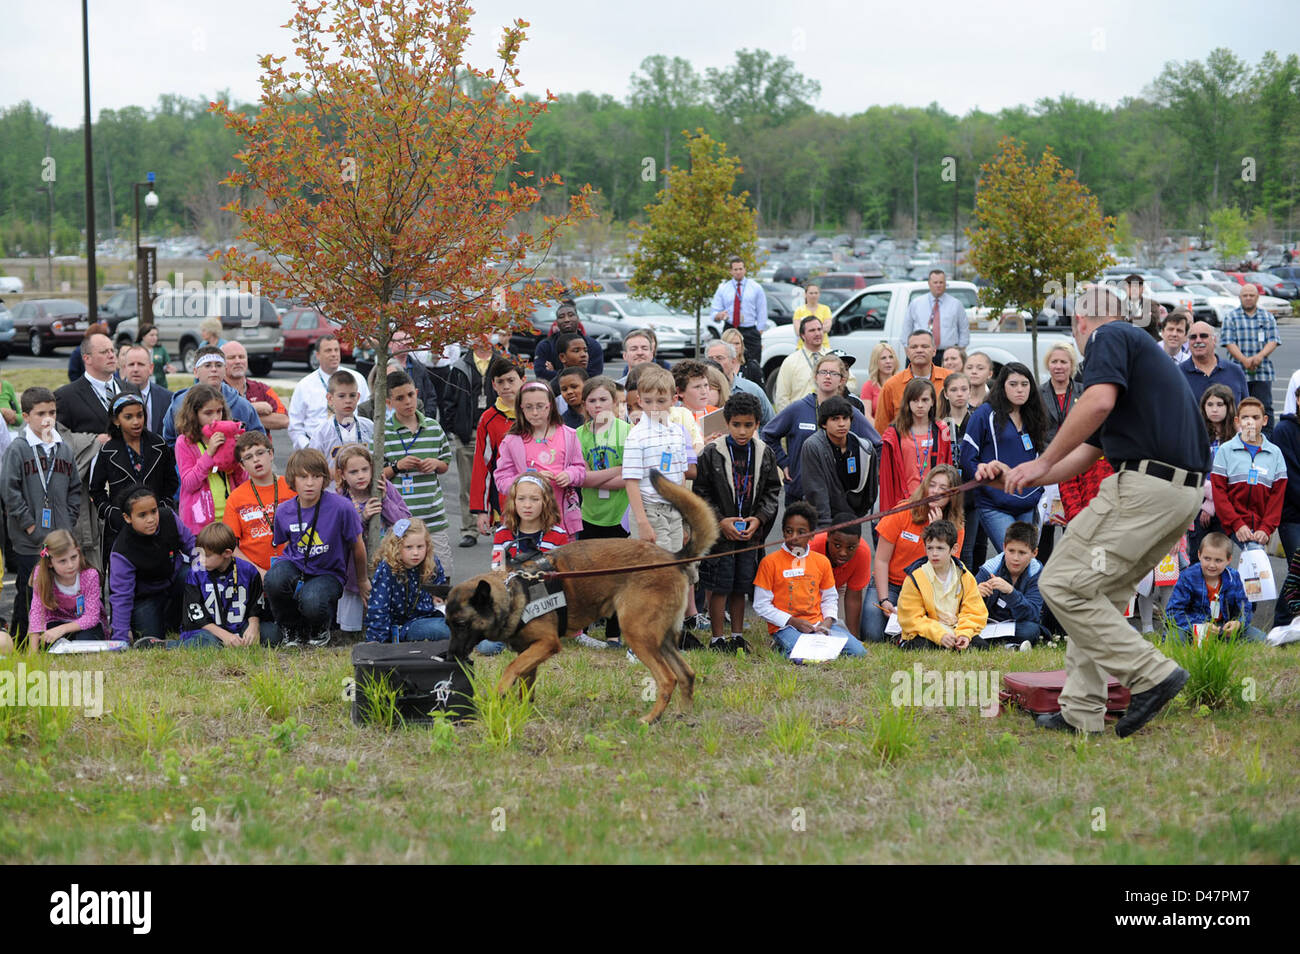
(1148,581)
(817,647)
(66,646)
(1003,630)
(1257,574)
(891,626)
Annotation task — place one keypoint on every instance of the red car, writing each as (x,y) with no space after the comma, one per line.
(302,328)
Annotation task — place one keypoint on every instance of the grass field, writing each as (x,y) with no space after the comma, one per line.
(249,756)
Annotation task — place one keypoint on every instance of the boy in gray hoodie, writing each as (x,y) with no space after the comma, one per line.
(42,492)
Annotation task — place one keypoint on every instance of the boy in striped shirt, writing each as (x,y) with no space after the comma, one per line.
(416,451)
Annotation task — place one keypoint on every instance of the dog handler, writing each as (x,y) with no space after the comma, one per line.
(1136,408)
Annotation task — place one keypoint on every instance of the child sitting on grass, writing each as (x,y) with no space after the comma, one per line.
(147,570)
(65,594)
(1009,584)
(940,604)
(401,608)
(1210,592)
(794,590)
(223,595)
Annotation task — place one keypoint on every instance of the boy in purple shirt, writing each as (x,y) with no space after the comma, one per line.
(321,532)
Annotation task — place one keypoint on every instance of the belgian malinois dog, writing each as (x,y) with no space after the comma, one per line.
(650,603)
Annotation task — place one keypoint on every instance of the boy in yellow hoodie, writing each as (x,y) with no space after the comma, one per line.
(940,604)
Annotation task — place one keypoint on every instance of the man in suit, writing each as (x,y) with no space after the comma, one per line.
(136,372)
(82,419)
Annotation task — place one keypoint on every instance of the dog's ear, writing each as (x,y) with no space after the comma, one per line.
(481,601)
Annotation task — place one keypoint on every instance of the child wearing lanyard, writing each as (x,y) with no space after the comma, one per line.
(321,532)
(912,445)
(132,457)
(604,498)
(42,492)
(204,488)
(223,596)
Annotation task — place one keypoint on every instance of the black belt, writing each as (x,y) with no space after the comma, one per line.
(1154,468)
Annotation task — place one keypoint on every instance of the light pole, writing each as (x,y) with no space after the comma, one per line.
(146,263)
(49,238)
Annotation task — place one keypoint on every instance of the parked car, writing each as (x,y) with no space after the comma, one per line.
(876,314)
(48,323)
(11,285)
(851,280)
(543,317)
(121,305)
(251,319)
(674,330)
(303,327)
(7,332)
(1275,285)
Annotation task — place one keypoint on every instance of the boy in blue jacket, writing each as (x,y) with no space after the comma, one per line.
(1211,592)
(1009,584)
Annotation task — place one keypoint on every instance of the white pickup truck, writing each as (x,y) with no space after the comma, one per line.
(876,314)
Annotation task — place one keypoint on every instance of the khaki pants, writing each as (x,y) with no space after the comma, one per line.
(666,522)
(1094,570)
(464,473)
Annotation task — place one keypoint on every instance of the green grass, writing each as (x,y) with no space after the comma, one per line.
(199,757)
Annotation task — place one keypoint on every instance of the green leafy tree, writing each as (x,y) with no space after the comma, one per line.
(667,91)
(1229,233)
(696,224)
(1038,232)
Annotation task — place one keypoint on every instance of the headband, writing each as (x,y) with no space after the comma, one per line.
(535,384)
(210,359)
(122,400)
(532,479)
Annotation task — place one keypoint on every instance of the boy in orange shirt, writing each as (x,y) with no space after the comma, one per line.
(250,508)
(794,590)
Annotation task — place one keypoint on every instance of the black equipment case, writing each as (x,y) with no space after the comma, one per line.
(427,679)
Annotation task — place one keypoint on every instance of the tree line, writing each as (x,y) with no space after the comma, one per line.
(1202,136)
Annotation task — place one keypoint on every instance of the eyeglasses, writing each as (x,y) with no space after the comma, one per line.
(255,454)
(1199,337)
(829,374)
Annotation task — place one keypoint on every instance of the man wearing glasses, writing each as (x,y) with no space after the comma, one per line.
(1204,368)
(546,363)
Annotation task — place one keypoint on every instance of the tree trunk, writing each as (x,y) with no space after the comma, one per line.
(375,525)
(697,331)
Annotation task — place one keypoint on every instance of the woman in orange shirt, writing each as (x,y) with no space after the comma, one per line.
(900,545)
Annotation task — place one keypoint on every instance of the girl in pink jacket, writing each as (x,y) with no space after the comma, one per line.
(204,488)
(539,441)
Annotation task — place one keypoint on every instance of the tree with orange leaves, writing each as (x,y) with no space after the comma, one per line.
(384,171)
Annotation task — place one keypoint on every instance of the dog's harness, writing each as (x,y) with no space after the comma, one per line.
(543,593)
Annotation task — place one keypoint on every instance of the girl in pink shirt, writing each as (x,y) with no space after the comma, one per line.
(538,440)
(65,594)
(204,488)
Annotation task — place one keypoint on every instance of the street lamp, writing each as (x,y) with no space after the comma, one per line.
(146,261)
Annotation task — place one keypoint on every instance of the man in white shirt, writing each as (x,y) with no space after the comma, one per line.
(1173,335)
(795,378)
(740,303)
(307,407)
(940,314)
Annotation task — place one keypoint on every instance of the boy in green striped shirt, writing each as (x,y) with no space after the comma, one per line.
(416,451)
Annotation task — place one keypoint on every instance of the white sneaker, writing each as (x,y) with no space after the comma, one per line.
(582,639)
(631,657)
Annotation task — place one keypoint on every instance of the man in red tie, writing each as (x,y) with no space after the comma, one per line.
(740,303)
(940,314)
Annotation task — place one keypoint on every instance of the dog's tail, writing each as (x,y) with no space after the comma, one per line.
(696,514)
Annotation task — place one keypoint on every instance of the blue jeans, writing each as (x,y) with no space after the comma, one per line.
(490,647)
(995,523)
(787,636)
(1252,634)
(160,613)
(426,627)
(311,607)
(872,627)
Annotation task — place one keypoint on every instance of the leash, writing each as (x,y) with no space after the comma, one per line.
(871,517)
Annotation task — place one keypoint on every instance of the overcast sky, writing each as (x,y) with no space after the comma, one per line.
(961,53)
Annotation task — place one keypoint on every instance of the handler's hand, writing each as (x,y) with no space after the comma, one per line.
(991,471)
(1028,474)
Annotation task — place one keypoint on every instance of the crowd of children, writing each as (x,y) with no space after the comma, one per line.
(207,545)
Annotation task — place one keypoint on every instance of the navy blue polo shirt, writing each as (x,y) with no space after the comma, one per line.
(1155,416)
(1225,373)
